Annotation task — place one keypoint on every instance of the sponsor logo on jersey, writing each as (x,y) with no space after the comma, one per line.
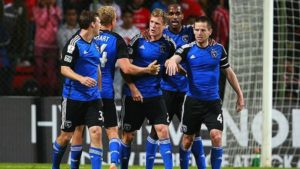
(193,57)
(68,58)
(127,127)
(70,49)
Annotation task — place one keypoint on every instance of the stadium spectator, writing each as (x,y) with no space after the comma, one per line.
(161,4)
(16,23)
(81,102)
(47,18)
(94,6)
(79,4)
(202,104)
(144,98)
(291,79)
(69,28)
(175,87)
(141,15)
(191,8)
(5,65)
(218,11)
(127,31)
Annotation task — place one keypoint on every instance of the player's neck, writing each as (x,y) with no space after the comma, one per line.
(155,38)
(203,44)
(106,28)
(86,35)
(175,30)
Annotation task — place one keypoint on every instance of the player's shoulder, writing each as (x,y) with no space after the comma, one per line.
(219,46)
(188,45)
(169,40)
(135,39)
(72,43)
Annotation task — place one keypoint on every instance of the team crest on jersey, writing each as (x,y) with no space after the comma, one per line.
(183,128)
(213,53)
(127,127)
(185,38)
(67,124)
(163,48)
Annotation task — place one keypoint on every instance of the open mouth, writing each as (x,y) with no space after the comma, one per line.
(175,22)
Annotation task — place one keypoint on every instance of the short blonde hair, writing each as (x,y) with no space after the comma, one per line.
(106,15)
(159,13)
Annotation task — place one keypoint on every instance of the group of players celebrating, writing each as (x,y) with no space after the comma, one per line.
(172,70)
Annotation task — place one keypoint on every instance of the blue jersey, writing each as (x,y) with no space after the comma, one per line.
(112,47)
(84,59)
(203,69)
(178,83)
(144,52)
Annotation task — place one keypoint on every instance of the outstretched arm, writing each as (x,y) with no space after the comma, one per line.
(128,68)
(172,65)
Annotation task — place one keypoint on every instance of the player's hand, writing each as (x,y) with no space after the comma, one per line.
(171,67)
(87,81)
(240,104)
(153,68)
(145,34)
(136,95)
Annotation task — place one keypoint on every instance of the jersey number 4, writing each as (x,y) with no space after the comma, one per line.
(219,118)
(103,58)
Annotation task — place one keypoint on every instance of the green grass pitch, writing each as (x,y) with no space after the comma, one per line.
(65,166)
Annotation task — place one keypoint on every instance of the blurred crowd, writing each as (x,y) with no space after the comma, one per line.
(33,32)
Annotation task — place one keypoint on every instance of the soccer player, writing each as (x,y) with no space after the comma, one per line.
(81,96)
(148,101)
(175,87)
(113,49)
(202,103)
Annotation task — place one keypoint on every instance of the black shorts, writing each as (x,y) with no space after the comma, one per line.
(110,113)
(75,113)
(174,102)
(198,112)
(154,109)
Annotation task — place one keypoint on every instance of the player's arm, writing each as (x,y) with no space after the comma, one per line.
(124,63)
(99,78)
(233,81)
(69,54)
(172,63)
(135,93)
(128,68)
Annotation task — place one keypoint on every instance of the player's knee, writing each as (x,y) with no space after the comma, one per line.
(127,137)
(162,131)
(112,132)
(216,137)
(65,137)
(187,141)
(95,132)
